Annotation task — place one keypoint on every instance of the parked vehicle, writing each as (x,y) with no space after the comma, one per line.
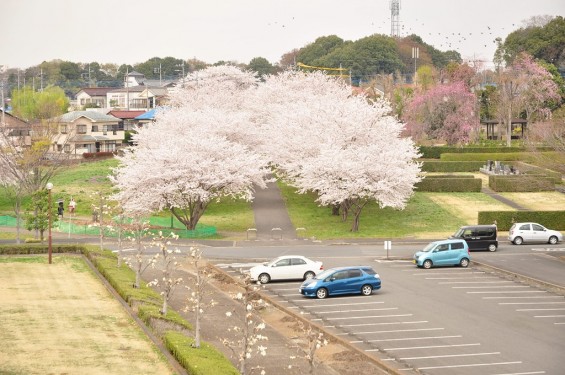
(533,232)
(444,253)
(286,267)
(478,237)
(342,280)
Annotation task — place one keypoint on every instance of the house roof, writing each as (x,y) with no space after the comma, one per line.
(125,114)
(150,115)
(88,138)
(95,91)
(94,116)
(138,88)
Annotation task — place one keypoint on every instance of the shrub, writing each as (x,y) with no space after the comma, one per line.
(521,183)
(505,219)
(449,184)
(451,166)
(99,155)
(205,360)
(434,152)
(529,168)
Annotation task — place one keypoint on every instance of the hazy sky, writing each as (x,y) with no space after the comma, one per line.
(132,31)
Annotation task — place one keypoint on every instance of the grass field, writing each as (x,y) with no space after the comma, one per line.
(60,319)
(427,215)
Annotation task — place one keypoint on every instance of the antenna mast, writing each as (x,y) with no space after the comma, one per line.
(395,18)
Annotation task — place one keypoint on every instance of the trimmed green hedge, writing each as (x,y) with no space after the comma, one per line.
(500,156)
(449,184)
(434,152)
(521,183)
(205,360)
(451,166)
(505,219)
(533,169)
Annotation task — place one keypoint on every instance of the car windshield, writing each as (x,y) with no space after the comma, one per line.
(324,274)
(459,233)
(429,247)
(270,263)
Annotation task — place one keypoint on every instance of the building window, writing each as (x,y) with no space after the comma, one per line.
(94,128)
(110,146)
(81,129)
(67,148)
(63,129)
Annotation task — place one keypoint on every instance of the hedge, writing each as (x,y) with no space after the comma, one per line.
(434,152)
(447,184)
(500,156)
(205,360)
(451,166)
(505,219)
(521,183)
(523,167)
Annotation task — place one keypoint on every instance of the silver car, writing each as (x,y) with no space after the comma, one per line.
(533,232)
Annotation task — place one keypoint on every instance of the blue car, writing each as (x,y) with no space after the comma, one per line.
(444,253)
(342,280)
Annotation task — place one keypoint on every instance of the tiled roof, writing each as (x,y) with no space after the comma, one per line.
(94,116)
(139,88)
(96,91)
(126,114)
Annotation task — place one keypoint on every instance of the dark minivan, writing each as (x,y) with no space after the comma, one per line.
(479,237)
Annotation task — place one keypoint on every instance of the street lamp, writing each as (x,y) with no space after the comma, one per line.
(49,187)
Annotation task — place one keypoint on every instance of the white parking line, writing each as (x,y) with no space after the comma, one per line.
(463,278)
(393,331)
(367,317)
(427,347)
(523,373)
(522,297)
(349,311)
(491,287)
(430,273)
(540,309)
(344,304)
(450,356)
(530,303)
(409,338)
(475,282)
(518,291)
(379,324)
(470,365)
(549,316)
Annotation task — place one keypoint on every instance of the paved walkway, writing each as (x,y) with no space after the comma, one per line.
(500,198)
(271,215)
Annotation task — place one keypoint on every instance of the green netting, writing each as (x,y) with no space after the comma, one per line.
(8,221)
(158,224)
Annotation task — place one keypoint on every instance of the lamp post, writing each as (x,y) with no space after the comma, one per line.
(49,187)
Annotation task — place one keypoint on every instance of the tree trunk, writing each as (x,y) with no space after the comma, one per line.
(18,220)
(509,127)
(165,305)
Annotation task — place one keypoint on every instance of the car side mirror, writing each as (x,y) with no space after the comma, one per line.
(332,278)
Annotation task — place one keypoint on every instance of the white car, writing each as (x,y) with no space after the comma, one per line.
(533,232)
(286,267)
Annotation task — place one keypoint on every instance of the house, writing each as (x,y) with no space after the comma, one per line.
(152,97)
(87,131)
(127,98)
(128,119)
(95,97)
(16,130)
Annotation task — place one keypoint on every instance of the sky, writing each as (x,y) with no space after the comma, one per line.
(133,31)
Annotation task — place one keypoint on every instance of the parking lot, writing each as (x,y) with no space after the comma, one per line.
(441,321)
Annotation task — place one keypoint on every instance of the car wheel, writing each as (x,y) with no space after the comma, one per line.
(492,247)
(518,241)
(264,278)
(322,293)
(464,262)
(427,264)
(308,275)
(552,240)
(367,290)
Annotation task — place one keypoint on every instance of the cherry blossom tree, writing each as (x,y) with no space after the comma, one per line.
(191,156)
(346,149)
(445,112)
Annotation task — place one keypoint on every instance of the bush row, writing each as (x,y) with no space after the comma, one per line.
(505,219)
(99,155)
(434,152)
(500,156)
(533,169)
(206,360)
(449,184)
(451,166)
(521,183)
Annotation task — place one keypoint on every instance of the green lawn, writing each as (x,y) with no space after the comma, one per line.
(426,215)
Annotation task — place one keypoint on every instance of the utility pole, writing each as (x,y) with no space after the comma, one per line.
(415,56)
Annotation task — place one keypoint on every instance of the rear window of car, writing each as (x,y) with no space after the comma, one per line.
(457,245)
(369,271)
(525,227)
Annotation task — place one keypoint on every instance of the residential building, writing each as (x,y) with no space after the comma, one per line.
(87,131)
(95,97)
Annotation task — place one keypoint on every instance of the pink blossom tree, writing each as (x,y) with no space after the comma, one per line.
(445,112)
